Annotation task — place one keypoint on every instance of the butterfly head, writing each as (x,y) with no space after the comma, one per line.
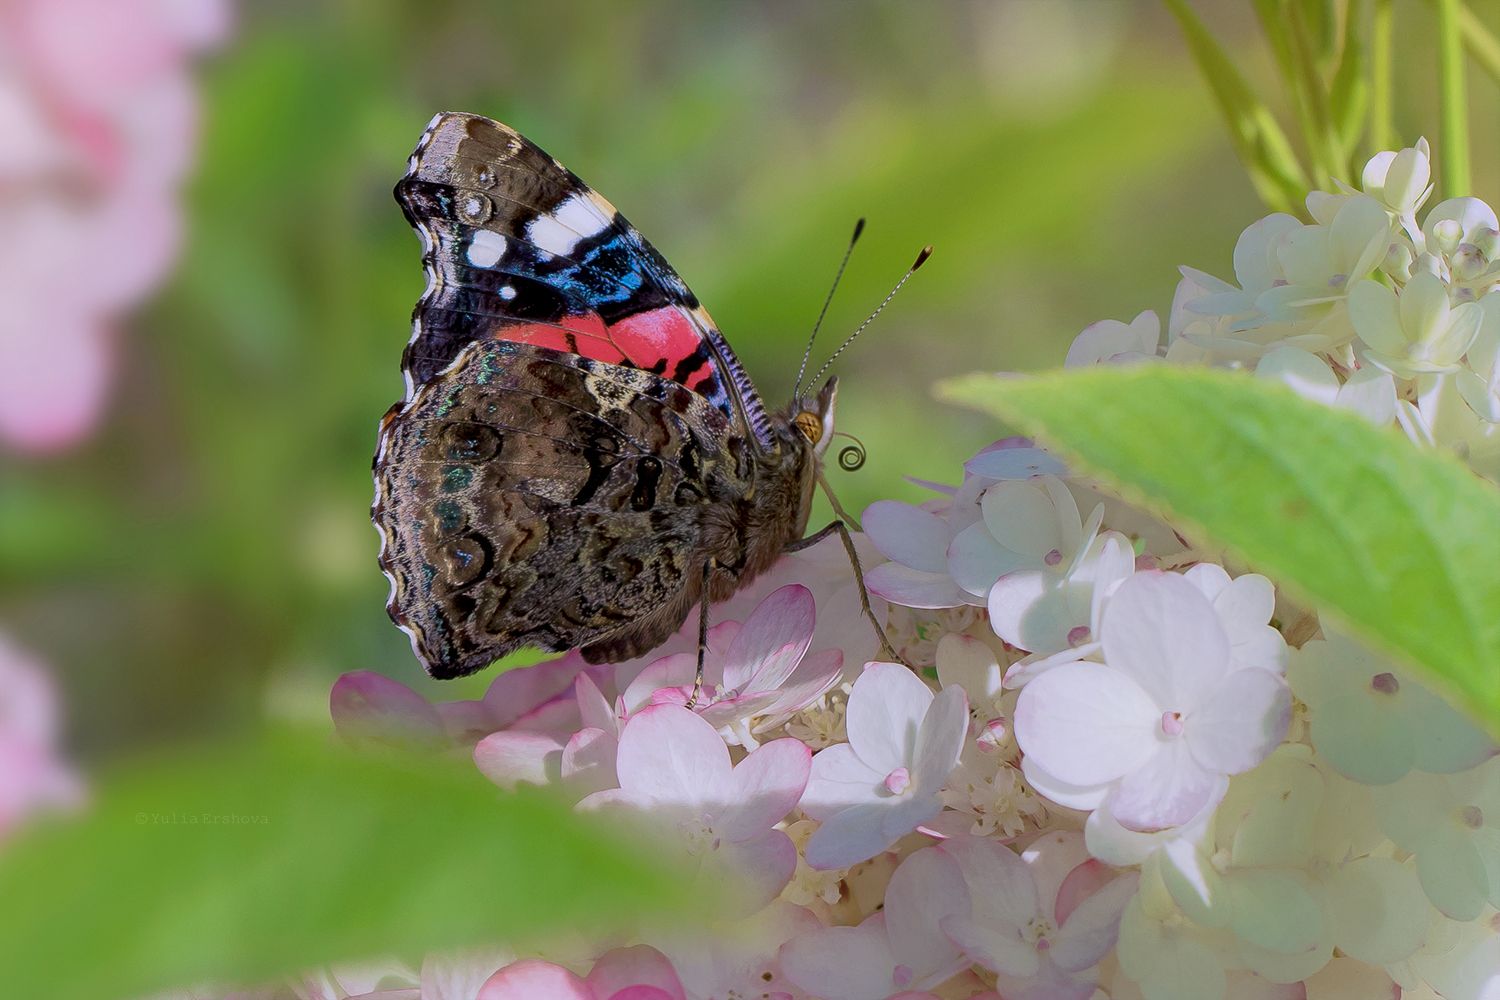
(813,417)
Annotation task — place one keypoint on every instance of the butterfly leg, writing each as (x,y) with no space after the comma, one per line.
(708,567)
(842,530)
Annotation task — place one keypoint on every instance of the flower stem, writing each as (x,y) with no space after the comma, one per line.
(1382,129)
(1483,47)
(1453,123)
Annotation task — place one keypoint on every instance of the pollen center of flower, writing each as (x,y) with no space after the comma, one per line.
(902,976)
(1038,933)
(1471,817)
(1385,683)
(898,781)
(1078,635)
(1171,723)
(1052,558)
(699,835)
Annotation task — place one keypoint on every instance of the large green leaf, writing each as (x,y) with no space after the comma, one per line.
(236,864)
(1402,545)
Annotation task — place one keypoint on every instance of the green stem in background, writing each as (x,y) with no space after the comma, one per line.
(1349,95)
(1453,113)
(1321,137)
(1382,129)
(1483,46)
(1274,170)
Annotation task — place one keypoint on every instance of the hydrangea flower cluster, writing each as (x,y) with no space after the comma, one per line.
(98,119)
(1113,766)
(33,776)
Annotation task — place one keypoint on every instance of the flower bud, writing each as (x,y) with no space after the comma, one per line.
(1446,235)
(1397,262)
(1467,263)
(1431,263)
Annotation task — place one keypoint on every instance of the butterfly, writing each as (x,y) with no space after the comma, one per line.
(579,458)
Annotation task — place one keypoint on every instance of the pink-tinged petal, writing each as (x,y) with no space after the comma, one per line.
(766,786)
(814,677)
(772,641)
(846,963)
(1000,885)
(459,975)
(908,535)
(641,993)
(1081,882)
(512,758)
(848,837)
(373,710)
(532,979)
(1065,794)
(927,887)
(1049,983)
(1086,723)
(940,740)
(1093,927)
(673,671)
(669,755)
(839,779)
(1050,858)
(641,965)
(758,868)
(594,710)
(517,692)
(1161,631)
(1168,790)
(886,707)
(997,948)
(914,588)
(1241,723)
(466,721)
(588,762)
(1115,845)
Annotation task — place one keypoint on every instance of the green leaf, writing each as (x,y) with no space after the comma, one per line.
(235,864)
(1259,141)
(1398,543)
(1350,92)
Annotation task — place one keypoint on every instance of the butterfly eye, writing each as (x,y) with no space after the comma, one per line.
(811,425)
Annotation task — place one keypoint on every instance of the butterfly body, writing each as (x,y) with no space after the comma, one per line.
(579,453)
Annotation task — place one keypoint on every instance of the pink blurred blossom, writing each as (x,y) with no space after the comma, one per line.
(98,121)
(639,973)
(33,777)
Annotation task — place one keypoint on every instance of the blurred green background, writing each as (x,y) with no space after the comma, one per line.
(208,554)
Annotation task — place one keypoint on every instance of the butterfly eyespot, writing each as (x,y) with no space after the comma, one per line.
(484,177)
(811,425)
(474,207)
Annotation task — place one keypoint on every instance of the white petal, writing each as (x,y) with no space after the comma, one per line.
(1168,790)
(1307,376)
(1378,910)
(976,560)
(907,534)
(913,588)
(885,712)
(842,963)
(999,949)
(940,740)
(1086,723)
(1376,318)
(965,662)
(1276,910)
(1024,516)
(1242,722)
(1069,796)
(1371,394)
(927,887)
(848,837)
(767,785)
(1161,631)
(839,779)
(1001,888)
(1452,873)
(669,755)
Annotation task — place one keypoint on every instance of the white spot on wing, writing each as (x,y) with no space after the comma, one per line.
(576,218)
(486,248)
(507,292)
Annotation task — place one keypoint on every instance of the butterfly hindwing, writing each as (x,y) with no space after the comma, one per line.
(517,248)
(528,496)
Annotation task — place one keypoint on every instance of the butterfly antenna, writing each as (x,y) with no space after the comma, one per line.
(859,227)
(921,259)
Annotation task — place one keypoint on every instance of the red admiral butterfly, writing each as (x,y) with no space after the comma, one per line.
(579,457)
